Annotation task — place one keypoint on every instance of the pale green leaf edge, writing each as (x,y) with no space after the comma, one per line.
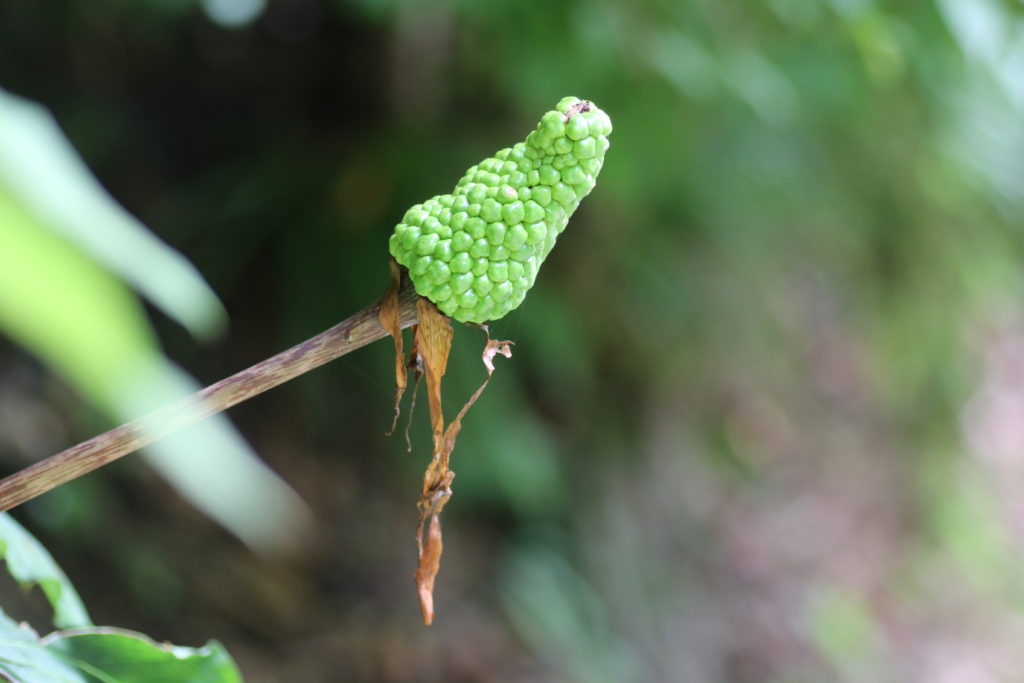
(209,663)
(31,564)
(39,165)
(109,655)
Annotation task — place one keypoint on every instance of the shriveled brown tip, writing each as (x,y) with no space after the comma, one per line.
(581,106)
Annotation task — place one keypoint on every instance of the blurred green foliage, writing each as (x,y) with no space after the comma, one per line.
(29,563)
(761,421)
(81,653)
(67,247)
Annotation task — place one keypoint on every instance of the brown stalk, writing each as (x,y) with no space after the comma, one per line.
(350,334)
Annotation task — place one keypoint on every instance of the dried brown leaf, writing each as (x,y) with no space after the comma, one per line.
(493,348)
(433,344)
(388,316)
(418,374)
(429,564)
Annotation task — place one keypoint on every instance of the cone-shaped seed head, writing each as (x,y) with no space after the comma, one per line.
(476,252)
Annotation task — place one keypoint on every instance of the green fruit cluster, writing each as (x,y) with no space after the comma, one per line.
(476,252)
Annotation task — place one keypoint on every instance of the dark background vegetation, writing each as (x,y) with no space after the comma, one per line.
(763,419)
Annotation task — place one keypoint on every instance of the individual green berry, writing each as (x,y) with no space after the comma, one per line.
(482,284)
(501,292)
(461,241)
(553,124)
(438,273)
(541,195)
(448,306)
(461,263)
(480,249)
(585,148)
(515,238)
(566,103)
(409,235)
(564,145)
(535,233)
(533,212)
(462,282)
(491,211)
(477,251)
(507,194)
(547,175)
(516,179)
(564,195)
(420,265)
(468,298)
(574,175)
(498,271)
(496,233)
(443,251)
(427,244)
(475,227)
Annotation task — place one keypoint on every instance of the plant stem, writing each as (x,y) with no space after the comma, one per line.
(350,334)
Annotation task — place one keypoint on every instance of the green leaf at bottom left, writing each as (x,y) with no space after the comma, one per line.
(111,655)
(23,659)
(106,655)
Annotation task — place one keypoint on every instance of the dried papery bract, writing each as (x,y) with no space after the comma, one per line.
(437,484)
(433,335)
(388,317)
(432,342)
(429,562)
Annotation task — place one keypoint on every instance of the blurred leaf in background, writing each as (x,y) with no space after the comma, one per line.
(83,652)
(65,243)
(30,564)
